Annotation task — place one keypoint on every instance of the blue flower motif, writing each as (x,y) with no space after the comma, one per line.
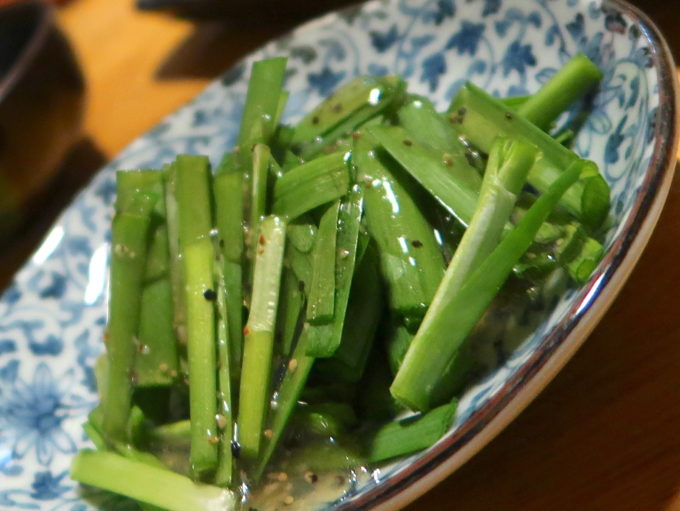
(551,35)
(12,295)
(383,41)
(576,26)
(7,346)
(643,57)
(31,414)
(56,288)
(46,486)
(614,21)
(445,9)
(491,7)
(611,150)
(87,353)
(433,67)
(79,245)
(233,75)
(518,57)
(502,27)
(325,81)
(634,92)
(304,52)
(106,190)
(535,19)
(8,374)
(466,40)
(52,345)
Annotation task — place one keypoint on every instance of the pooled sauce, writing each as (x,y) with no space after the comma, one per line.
(301,478)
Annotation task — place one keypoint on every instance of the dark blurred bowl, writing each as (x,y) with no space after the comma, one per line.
(246,12)
(41,107)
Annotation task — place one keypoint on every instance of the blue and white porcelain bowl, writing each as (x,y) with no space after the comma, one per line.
(52,316)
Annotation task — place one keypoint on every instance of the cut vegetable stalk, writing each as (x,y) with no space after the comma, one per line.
(506,172)
(175,433)
(429,128)
(259,337)
(148,181)
(189,219)
(192,193)
(449,178)
(158,487)
(324,339)
(289,391)
(128,261)
(345,111)
(364,309)
(578,253)
(193,196)
(398,343)
(410,435)
(281,107)
(176,267)
(451,317)
(459,196)
(485,118)
(321,295)
(225,416)
(310,185)
(297,278)
(514,102)
(291,307)
(201,343)
(573,80)
(156,361)
(410,259)
(228,184)
(262,104)
(157,358)
(302,234)
(258,193)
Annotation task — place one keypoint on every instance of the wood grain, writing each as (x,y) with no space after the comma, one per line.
(604,435)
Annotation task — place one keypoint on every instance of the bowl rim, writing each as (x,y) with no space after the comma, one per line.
(563,340)
(44,17)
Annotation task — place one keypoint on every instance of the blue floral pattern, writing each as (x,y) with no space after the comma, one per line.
(466,40)
(52,316)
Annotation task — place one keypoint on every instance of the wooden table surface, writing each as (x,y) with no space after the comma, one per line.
(604,435)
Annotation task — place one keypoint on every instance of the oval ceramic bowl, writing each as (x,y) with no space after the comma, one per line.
(53,315)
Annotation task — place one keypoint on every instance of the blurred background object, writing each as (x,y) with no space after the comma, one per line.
(246,11)
(41,108)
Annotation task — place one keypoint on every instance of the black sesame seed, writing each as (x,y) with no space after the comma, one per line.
(471,157)
(408,142)
(236,450)
(462,111)
(417,243)
(210,295)
(301,285)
